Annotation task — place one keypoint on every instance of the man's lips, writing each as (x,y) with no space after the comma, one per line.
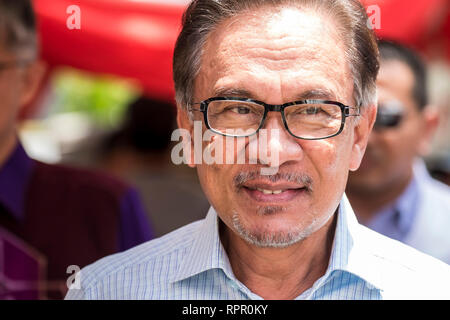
(273,192)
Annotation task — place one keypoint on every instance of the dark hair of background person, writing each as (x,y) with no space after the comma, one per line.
(147,127)
(391,50)
(18,27)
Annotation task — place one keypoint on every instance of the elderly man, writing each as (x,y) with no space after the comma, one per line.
(53,218)
(303,71)
(392,192)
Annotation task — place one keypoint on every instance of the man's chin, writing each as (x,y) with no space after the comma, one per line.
(274,239)
(271,231)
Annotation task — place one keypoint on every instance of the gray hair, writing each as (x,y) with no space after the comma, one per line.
(18,29)
(203,16)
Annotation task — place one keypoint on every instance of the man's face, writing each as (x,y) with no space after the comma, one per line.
(277,56)
(391,151)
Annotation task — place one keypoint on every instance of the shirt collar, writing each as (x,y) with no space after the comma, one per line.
(206,252)
(15,175)
(349,253)
(352,251)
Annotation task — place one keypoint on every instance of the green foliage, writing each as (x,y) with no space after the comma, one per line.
(102,98)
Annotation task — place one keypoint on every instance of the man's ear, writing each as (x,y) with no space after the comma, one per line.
(430,116)
(33,74)
(362,130)
(185,122)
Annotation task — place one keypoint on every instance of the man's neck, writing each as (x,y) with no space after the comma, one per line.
(367,203)
(274,273)
(7,146)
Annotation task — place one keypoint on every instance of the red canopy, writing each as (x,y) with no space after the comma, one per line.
(129,39)
(136,39)
(422,24)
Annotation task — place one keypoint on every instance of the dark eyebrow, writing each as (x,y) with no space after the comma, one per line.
(316,94)
(232,92)
(308,94)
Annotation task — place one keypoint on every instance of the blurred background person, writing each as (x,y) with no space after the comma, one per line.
(139,152)
(51,216)
(392,191)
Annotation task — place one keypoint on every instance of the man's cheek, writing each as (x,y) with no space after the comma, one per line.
(213,178)
(325,155)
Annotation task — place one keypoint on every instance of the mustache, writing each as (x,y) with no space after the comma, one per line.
(299,178)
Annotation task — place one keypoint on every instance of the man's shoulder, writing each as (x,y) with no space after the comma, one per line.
(394,252)
(155,260)
(402,271)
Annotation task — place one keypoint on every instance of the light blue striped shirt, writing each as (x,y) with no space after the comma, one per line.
(191,263)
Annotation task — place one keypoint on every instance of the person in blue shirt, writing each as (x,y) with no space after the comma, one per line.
(276,100)
(392,192)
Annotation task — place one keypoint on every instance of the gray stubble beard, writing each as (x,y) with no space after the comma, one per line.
(265,239)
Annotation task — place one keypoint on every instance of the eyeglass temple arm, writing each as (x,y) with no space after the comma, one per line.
(190,108)
(347,111)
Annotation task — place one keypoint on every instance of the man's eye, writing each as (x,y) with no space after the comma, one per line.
(240,110)
(312,110)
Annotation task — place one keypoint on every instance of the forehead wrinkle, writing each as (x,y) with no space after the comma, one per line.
(284,52)
(283,49)
(278,56)
(295,61)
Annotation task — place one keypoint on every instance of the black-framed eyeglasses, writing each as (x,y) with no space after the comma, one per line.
(304,119)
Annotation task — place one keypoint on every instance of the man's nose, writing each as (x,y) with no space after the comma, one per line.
(281,146)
